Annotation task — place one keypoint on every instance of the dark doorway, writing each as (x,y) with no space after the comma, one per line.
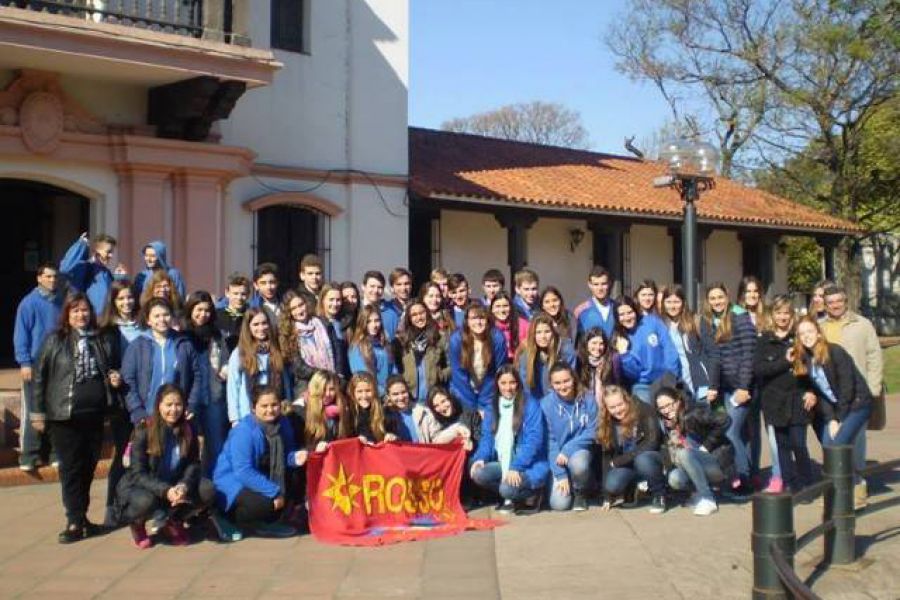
(41,221)
(283,235)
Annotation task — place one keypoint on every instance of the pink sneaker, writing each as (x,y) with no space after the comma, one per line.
(176,534)
(776,486)
(140,537)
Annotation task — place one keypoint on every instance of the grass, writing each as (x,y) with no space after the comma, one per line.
(892,369)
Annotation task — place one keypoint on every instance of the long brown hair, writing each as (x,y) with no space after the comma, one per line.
(820,354)
(287,334)
(723,331)
(156,427)
(160,275)
(247,347)
(110,312)
(761,312)
(686,321)
(607,428)
(532,353)
(362,340)
(314,424)
(562,321)
(407,332)
(585,370)
(518,405)
(376,410)
(468,340)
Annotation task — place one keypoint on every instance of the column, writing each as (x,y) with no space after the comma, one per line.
(142,211)
(829,247)
(608,248)
(198,241)
(517,224)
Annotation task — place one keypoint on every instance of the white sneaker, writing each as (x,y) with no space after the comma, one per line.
(693,500)
(705,507)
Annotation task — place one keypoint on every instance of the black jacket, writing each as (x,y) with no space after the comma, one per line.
(735,355)
(708,428)
(780,391)
(647,437)
(847,383)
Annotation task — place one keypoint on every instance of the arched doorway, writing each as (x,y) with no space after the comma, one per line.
(284,233)
(41,222)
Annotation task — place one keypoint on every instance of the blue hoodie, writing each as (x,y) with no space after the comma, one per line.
(37,316)
(383,362)
(142,279)
(175,361)
(530,449)
(651,352)
(474,396)
(525,309)
(86,275)
(541,386)
(589,316)
(239,386)
(391,313)
(571,426)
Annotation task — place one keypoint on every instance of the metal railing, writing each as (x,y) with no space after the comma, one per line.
(774,541)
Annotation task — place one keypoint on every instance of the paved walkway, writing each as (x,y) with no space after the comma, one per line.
(624,553)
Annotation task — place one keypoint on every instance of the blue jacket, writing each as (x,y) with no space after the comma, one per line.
(86,275)
(542,371)
(523,308)
(137,372)
(36,316)
(238,465)
(384,364)
(736,356)
(588,316)
(238,387)
(142,279)
(571,426)
(459,316)
(702,357)
(462,385)
(391,312)
(530,453)
(651,352)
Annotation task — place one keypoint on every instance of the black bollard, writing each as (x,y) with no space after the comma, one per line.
(840,539)
(773,522)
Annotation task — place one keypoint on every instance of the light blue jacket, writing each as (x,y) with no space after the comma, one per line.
(571,426)
(239,386)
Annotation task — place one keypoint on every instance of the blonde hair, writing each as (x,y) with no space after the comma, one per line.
(820,354)
(606,430)
(315,428)
(376,414)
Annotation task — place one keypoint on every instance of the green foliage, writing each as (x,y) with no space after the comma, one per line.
(804,263)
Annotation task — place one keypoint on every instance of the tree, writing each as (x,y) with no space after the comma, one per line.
(536,122)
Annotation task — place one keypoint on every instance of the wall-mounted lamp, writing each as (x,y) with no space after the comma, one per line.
(575,237)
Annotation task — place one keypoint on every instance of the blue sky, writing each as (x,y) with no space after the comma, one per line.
(468,56)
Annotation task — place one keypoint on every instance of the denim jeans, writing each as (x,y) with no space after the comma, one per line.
(647,465)
(579,475)
(852,428)
(796,466)
(736,434)
(30,440)
(693,466)
(490,477)
(213,420)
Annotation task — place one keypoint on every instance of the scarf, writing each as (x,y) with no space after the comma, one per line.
(85,362)
(272,431)
(504,438)
(330,407)
(315,346)
(419,344)
(262,347)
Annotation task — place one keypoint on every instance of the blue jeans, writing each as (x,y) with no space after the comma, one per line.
(697,468)
(30,440)
(490,477)
(852,431)
(213,421)
(736,434)
(579,475)
(647,465)
(641,391)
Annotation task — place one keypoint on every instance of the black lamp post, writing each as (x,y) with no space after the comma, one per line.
(692,169)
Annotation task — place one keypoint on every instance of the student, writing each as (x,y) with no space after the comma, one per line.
(817,300)
(571,419)
(458,291)
(409,422)
(511,456)
(735,336)
(258,360)
(155,260)
(696,448)
(307,342)
(431,296)
(421,351)
(366,413)
(86,267)
(164,479)
(645,295)
(492,283)
(350,300)
(476,352)
(324,415)
(158,356)
(160,285)
(453,421)
(783,399)
(750,297)
(212,359)
(401,290)
(553,305)
(698,356)
(251,475)
(598,363)
(526,298)
(265,290)
(310,274)
(439,277)
(505,318)
(373,295)
(629,436)
(36,316)
(598,310)
(543,348)
(645,348)
(229,318)
(369,349)
(73,378)
(331,310)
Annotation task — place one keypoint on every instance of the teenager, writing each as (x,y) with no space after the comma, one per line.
(324,415)
(331,309)
(401,292)
(370,351)
(87,268)
(230,317)
(599,365)
(307,342)
(527,284)
(154,255)
(598,310)
(454,422)
(408,421)
(645,295)
(265,290)
(571,418)
(698,355)
(553,305)
(421,351)
(350,301)
(751,294)
(458,292)
(310,275)
(366,412)
(645,347)
(817,300)
(161,285)
(629,436)
(511,456)
(439,277)
(431,296)
(750,298)
(492,283)
(373,295)
(543,348)
(73,378)
(158,356)
(505,318)
(251,475)
(164,481)
(257,360)
(476,351)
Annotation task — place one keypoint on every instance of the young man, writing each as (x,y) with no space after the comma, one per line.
(373,294)
(439,277)
(86,267)
(458,290)
(401,290)
(229,317)
(492,282)
(526,300)
(599,310)
(36,316)
(265,291)
(310,280)
(155,259)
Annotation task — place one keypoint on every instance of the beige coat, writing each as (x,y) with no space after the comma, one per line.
(859,339)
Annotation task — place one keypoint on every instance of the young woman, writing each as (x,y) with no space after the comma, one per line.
(73,381)
(454,422)
(477,350)
(307,343)
(552,304)
(505,318)
(251,475)
(629,436)
(599,364)
(432,297)
(785,403)
(326,415)
(409,422)
(696,451)
(366,411)
(645,348)
(350,302)
(331,309)
(817,300)
(421,351)
(543,348)
(511,456)
(369,348)
(750,297)
(258,360)
(158,356)
(164,474)
(698,355)
(161,285)
(734,335)
(212,359)
(645,295)
(571,418)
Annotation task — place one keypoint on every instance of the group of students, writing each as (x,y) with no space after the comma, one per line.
(216,404)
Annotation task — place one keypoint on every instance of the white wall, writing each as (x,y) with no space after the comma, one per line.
(651,254)
(723,258)
(472,243)
(549,254)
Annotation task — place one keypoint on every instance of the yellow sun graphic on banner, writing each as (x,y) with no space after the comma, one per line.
(342,491)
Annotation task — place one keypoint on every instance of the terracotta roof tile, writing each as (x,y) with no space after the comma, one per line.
(470,166)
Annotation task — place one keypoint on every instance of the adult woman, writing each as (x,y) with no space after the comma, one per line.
(698,356)
(511,456)
(432,297)
(477,350)
(161,285)
(553,305)
(629,437)
(307,342)
(454,422)
(326,415)
(817,300)
(734,335)
(783,398)
(366,411)
(505,318)
(571,419)
(543,348)
(331,309)
(73,379)
(645,295)
(164,474)
(409,422)
(257,360)
(369,348)
(421,350)
(645,348)
(159,355)
(599,364)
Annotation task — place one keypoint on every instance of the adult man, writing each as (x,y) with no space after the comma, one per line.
(87,268)
(599,310)
(310,280)
(155,260)
(526,300)
(36,316)
(857,335)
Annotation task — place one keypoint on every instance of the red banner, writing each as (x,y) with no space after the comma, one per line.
(362,495)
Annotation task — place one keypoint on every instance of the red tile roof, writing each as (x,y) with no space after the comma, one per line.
(455,165)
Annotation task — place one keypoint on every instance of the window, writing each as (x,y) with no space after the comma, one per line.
(289,20)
